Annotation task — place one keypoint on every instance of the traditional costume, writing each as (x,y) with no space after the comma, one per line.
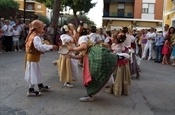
(67,67)
(98,65)
(34,49)
(122,76)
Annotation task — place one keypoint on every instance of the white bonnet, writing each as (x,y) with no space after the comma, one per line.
(66,28)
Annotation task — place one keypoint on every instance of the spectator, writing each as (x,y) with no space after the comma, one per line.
(159,41)
(8,31)
(149,45)
(16,36)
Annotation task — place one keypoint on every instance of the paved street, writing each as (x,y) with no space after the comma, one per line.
(152,94)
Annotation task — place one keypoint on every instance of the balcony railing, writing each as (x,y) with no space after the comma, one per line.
(118,15)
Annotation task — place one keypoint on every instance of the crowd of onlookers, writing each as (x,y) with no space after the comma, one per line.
(13,33)
(148,43)
(156,45)
(151,44)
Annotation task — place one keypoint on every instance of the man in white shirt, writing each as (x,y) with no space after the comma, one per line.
(100,36)
(93,36)
(149,45)
(8,32)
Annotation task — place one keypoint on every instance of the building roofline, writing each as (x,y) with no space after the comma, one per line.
(170,11)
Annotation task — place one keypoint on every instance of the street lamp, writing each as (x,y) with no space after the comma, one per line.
(24,10)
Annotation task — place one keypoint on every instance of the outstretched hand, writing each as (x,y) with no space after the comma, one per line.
(55,48)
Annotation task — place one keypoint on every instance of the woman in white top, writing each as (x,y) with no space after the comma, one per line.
(98,65)
(67,67)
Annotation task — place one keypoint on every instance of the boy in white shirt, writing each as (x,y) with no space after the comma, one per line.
(16,35)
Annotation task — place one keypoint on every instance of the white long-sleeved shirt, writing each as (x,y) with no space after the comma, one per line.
(150,35)
(40,46)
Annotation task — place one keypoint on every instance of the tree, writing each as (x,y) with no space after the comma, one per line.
(56,5)
(47,3)
(8,4)
(56,12)
(81,6)
(44,19)
(84,18)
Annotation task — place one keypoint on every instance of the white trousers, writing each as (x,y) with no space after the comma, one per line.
(148,46)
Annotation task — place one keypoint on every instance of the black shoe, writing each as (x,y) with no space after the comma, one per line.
(32,92)
(43,88)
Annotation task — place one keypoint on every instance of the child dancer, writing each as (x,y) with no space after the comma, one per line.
(67,67)
(34,48)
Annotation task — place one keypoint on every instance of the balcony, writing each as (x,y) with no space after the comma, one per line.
(119,15)
(109,1)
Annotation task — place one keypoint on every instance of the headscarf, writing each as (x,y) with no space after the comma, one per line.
(34,26)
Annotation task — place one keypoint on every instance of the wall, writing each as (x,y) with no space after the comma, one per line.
(40,8)
(168,17)
(137,9)
(159,9)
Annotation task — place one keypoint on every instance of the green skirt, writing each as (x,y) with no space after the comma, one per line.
(102,63)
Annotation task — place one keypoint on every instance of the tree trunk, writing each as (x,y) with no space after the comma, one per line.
(76,18)
(56,12)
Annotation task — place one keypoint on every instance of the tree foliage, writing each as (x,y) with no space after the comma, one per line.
(81,6)
(8,4)
(84,18)
(47,3)
(44,19)
(78,6)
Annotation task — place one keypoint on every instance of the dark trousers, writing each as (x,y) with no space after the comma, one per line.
(8,43)
(158,50)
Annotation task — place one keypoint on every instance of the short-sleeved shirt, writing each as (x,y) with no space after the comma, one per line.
(150,35)
(83,39)
(93,37)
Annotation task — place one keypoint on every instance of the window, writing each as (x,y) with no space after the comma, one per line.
(148,8)
(121,6)
(121,9)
